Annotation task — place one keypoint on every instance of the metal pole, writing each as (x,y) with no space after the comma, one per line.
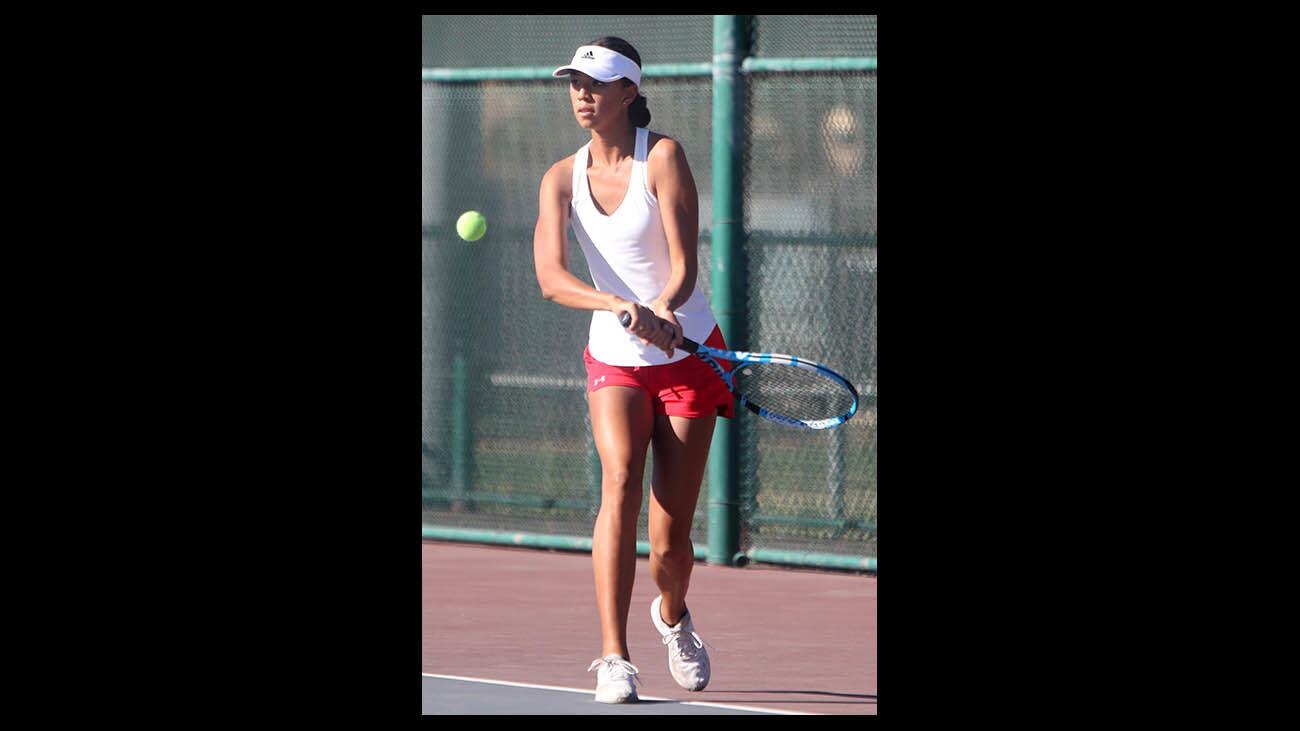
(528,540)
(460,436)
(728,267)
(819,560)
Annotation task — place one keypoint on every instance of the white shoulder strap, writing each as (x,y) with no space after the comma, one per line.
(642,155)
(579,189)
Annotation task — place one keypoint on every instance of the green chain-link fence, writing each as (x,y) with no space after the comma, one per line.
(506,448)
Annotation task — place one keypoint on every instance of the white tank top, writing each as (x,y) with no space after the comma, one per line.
(627,254)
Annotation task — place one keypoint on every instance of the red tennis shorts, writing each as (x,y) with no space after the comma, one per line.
(688,387)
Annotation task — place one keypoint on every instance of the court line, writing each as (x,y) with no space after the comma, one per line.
(589,691)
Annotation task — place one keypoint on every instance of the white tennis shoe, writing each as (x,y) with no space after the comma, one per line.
(615,680)
(688,661)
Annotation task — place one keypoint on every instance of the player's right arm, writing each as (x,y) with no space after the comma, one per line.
(550,258)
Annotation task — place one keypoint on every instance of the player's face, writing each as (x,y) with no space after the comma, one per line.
(596,102)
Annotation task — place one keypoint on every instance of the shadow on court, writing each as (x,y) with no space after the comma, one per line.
(864,699)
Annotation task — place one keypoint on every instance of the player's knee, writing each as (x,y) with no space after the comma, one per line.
(617,479)
(618,492)
(673,551)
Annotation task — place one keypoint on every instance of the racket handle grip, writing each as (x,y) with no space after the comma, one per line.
(688,345)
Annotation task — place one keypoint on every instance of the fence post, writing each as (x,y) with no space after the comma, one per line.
(728,274)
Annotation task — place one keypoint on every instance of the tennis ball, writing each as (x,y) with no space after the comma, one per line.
(471,225)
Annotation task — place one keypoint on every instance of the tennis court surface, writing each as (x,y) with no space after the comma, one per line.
(512,631)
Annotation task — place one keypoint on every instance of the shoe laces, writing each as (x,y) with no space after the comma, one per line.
(619,669)
(686,644)
(688,647)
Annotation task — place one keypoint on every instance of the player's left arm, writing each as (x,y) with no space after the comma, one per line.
(679,207)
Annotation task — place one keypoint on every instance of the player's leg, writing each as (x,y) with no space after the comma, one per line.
(622,421)
(681,452)
(681,447)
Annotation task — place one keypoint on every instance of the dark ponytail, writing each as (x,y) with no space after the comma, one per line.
(638,112)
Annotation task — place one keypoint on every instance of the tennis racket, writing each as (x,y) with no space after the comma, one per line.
(785,389)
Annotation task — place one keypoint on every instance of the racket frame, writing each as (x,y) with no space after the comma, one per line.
(708,354)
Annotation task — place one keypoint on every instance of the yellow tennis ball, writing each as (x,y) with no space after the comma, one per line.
(471,225)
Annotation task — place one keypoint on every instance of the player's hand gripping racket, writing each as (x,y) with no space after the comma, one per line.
(783,388)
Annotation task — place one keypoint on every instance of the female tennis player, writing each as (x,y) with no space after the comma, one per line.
(631,200)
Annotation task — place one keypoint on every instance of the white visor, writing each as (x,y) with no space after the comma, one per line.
(602,64)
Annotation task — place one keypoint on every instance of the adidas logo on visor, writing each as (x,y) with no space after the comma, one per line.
(589,55)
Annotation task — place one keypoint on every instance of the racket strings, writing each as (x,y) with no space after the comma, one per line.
(792,391)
